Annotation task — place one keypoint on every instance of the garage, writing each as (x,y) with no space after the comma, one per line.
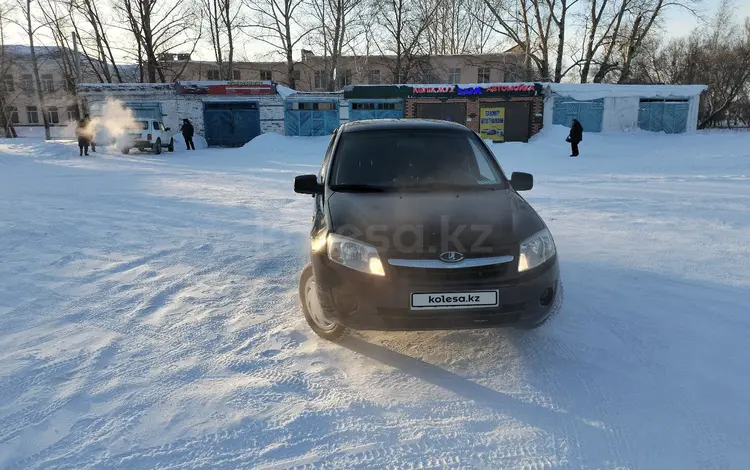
(589,113)
(513,123)
(605,107)
(231,124)
(375,109)
(668,116)
(448,111)
(311,118)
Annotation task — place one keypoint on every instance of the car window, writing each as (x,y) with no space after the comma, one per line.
(485,170)
(328,154)
(415,159)
(140,125)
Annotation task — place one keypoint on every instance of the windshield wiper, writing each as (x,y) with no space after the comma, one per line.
(449,186)
(360,188)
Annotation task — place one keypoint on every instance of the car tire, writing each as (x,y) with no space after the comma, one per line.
(554,311)
(171,145)
(157,147)
(327,330)
(126,150)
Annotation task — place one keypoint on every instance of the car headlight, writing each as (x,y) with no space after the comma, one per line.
(354,254)
(535,250)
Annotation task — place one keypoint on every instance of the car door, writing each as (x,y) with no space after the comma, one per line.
(319,218)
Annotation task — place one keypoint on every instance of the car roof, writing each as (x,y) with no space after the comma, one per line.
(402,124)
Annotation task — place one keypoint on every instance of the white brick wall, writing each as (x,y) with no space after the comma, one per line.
(175,108)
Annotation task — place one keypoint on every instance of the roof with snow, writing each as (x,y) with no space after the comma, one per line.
(593,91)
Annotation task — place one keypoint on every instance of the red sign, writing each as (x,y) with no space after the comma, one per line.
(434,89)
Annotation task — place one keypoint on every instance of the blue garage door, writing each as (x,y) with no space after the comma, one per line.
(231,124)
(589,113)
(145,109)
(663,116)
(311,118)
(381,109)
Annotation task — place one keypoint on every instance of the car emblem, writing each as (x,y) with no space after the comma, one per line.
(451,257)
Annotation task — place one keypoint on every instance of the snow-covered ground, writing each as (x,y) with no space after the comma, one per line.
(149,319)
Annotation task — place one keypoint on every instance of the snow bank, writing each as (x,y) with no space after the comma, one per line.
(199,141)
(276,147)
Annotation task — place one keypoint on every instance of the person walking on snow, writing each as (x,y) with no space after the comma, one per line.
(575,137)
(83,140)
(187,133)
(89,132)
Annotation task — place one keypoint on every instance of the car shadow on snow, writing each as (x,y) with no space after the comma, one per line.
(622,374)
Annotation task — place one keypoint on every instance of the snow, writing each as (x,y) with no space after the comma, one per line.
(149,318)
(594,91)
(285,92)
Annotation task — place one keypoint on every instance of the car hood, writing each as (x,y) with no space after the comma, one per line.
(423,225)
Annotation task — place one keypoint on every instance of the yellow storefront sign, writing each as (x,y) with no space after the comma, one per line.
(492,124)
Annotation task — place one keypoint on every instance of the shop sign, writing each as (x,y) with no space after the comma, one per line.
(472,90)
(492,124)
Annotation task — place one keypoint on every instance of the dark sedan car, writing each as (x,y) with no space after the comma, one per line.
(416,227)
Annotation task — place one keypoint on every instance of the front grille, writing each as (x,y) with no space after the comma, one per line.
(452,277)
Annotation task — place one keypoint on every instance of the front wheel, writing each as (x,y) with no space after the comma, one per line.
(308,294)
(126,150)
(157,147)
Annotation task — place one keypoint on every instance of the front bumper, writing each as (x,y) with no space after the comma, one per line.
(365,302)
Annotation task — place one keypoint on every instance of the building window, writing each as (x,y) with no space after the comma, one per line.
(454,76)
(483,75)
(12,113)
(72,113)
(236,75)
(32,115)
(266,75)
(373,78)
(52,115)
(311,106)
(321,79)
(343,78)
(8,83)
(212,75)
(297,75)
(27,83)
(48,84)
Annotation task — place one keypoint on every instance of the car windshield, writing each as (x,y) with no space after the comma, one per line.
(413,160)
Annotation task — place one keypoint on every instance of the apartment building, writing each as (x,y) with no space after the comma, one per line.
(18,88)
(310,73)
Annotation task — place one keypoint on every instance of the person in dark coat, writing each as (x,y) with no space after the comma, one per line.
(89,132)
(187,133)
(83,139)
(575,137)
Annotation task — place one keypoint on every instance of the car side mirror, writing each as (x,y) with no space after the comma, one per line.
(521,181)
(167,128)
(307,184)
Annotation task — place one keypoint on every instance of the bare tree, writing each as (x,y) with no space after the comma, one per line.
(337,25)
(276,24)
(6,89)
(717,55)
(223,19)
(160,28)
(403,34)
(31,27)
(528,25)
(99,37)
